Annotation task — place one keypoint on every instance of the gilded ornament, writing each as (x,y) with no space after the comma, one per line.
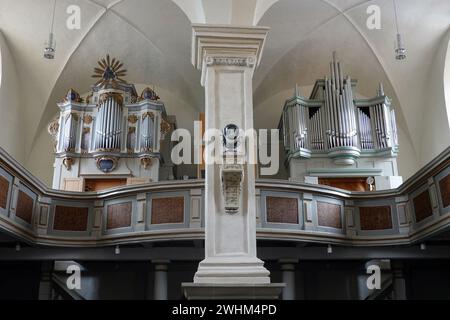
(149,94)
(148,114)
(165,127)
(87,119)
(68,162)
(110,72)
(72,96)
(132,118)
(117,97)
(146,162)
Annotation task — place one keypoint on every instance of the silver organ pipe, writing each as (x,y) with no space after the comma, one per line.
(316,133)
(352,114)
(98,127)
(339,103)
(117,137)
(381,128)
(373,124)
(298,127)
(330,107)
(106,122)
(313,133)
(343,108)
(322,126)
(365,130)
(287,134)
(303,128)
(292,128)
(394,128)
(376,126)
(387,126)
(147,132)
(114,123)
(330,121)
(109,126)
(70,131)
(305,117)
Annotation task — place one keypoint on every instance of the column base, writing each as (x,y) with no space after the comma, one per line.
(205,291)
(232,270)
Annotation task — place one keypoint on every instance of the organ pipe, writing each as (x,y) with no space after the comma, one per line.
(147,131)
(70,130)
(109,124)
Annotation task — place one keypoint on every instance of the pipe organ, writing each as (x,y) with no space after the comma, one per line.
(332,134)
(111,134)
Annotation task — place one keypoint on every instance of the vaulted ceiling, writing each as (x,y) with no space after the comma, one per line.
(153,39)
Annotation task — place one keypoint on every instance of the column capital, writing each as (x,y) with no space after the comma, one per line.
(288,264)
(227,45)
(161,265)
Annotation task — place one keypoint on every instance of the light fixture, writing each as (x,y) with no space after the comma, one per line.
(50,46)
(423,246)
(400,50)
(117,250)
(329,249)
(18,247)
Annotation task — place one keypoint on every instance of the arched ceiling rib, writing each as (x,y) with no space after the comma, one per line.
(447,74)
(291,21)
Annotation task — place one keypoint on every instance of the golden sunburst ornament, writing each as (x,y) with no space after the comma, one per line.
(110,71)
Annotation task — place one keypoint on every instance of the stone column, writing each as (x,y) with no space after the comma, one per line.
(45,282)
(160,280)
(227,57)
(398,279)
(288,276)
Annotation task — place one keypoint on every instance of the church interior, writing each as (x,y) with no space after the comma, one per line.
(348,199)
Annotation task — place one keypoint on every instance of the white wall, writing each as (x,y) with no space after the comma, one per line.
(436,107)
(12,136)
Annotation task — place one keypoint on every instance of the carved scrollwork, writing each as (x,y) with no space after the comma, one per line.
(146,162)
(87,119)
(132,118)
(53,130)
(116,96)
(148,114)
(53,127)
(165,127)
(68,162)
(232,177)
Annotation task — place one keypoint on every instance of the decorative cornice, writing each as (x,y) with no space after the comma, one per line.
(220,40)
